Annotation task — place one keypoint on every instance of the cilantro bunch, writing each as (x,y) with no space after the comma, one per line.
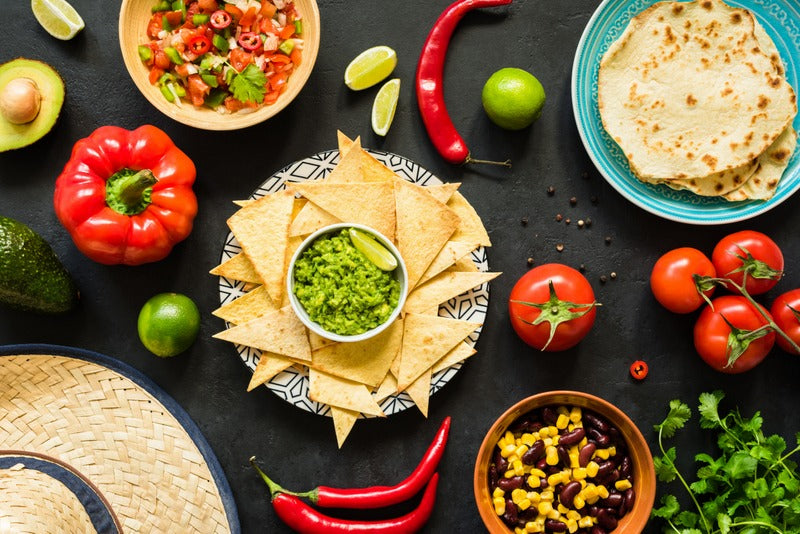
(752,487)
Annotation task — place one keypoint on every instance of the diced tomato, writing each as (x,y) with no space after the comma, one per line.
(267,26)
(161,60)
(191,10)
(207,6)
(175,18)
(278,80)
(296,56)
(154,26)
(280,59)
(234,11)
(287,32)
(271,97)
(155,74)
(268,9)
(248,18)
(197,89)
(239,59)
(184,71)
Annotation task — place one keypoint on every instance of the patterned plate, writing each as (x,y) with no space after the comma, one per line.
(292,385)
(781,20)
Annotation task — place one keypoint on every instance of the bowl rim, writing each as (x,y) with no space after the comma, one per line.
(644,499)
(315,327)
(229,121)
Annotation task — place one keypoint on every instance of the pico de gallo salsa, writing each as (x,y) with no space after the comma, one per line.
(227,56)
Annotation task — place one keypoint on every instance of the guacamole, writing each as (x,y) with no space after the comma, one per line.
(341,289)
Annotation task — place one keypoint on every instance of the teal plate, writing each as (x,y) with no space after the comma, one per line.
(781,20)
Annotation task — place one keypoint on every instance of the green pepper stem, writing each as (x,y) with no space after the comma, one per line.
(274,487)
(128,192)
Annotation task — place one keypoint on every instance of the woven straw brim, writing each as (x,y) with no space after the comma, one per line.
(118,435)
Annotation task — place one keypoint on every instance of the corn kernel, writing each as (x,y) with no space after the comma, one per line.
(589,491)
(612,450)
(591,469)
(518,530)
(521,449)
(508,450)
(574,458)
(518,494)
(528,439)
(572,525)
(544,507)
(509,436)
(498,493)
(554,440)
(575,414)
(579,473)
(551,457)
(499,505)
(554,514)
(535,497)
(573,514)
(578,502)
(544,432)
(602,491)
(534,527)
(553,430)
(562,410)
(548,442)
(547,495)
(623,485)
(524,504)
(534,481)
(562,509)
(601,453)
(562,421)
(582,443)
(585,522)
(538,472)
(518,469)
(571,426)
(508,474)
(554,479)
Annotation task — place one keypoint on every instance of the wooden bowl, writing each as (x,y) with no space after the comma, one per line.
(134,16)
(644,478)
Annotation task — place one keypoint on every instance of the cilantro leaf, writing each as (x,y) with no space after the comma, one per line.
(709,409)
(669,507)
(678,414)
(741,465)
(687,519)
(724,523)
(249,85)
(789,482)
(665,466)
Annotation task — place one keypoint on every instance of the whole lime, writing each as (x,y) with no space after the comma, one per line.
(513,98)
(168,324)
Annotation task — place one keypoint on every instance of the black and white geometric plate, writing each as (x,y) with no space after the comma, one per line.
(292,384)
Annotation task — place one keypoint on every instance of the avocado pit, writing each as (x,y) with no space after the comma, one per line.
(20,101)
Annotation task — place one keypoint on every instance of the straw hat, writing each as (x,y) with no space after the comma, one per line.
(134,451)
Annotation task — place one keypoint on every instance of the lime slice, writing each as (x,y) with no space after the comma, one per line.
(374,251)
(370,67)
(58,18)
(384,106)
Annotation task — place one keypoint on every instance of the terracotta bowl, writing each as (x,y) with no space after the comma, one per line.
(134,16)
(644,478)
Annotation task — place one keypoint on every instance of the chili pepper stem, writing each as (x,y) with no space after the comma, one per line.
(274,487)
(128,191)
(470,159)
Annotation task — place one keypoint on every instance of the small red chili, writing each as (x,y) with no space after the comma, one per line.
(639,369)
(249,41)
(199,44)
(220,19)
(430,87)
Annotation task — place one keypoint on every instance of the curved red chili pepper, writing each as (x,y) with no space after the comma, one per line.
(429,83)
(304,519)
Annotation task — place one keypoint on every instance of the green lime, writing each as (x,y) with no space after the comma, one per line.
(168,324)
(374,251)
(513,98)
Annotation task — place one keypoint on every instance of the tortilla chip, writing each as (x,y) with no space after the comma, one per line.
(262,229)
(345,143)
(471,229)
(365,361)
(461,352)
(426,339)
(278,331)
(237,267)
(310,219)
(420,391)
(243,203)
(423,227)
(249,306)
(370,204)
(464,265)
(443,192)
(387,388)
(442,288)
(343,421)
(335,391)
(291,247)
(450,253)
(269,365)
(317,341)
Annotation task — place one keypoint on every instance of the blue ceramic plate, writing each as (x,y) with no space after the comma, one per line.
(781,20)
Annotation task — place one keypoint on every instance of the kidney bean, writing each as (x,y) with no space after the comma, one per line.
(606,519)
(509,484)
(630,498)
(500,462)
(605,468)
(585,454)
(593,510)
(568,493)
(603,440)
(510,517)
(534,454)
(625,467)
(598,530)
(542,464)
(549,415)
(523,424)
(563,455)
(554,525)
(572,437)
(492,476)
(528,514)
(595,421)
(593,434)
(614,500)
(622,510)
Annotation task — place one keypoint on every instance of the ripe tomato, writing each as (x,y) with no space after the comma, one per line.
(786,319)
(751,252)
(712,333)
(566,313)
(672,279)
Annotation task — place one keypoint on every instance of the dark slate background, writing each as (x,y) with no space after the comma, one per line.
(299,448)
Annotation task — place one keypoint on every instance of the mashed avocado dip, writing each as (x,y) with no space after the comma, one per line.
(341,289)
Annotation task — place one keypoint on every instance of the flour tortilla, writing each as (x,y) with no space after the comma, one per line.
(771,164)
(687,91)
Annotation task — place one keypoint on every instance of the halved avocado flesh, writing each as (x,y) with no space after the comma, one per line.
(50,86)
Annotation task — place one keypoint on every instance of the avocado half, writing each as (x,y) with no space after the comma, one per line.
(51,89)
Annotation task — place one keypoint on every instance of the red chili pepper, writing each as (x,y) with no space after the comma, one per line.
(639,369)
(304,519)
(429,83)
(199,44)
(249,41)
(220,19)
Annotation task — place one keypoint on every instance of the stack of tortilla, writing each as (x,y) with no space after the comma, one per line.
(434,228)
(695,95)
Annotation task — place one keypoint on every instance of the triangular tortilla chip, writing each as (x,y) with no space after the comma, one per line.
(442,288)
(449,255)
(279,331)
(237,267)
(317,341)
(443,192)
(461,352)
(345,143)
(269,365)
(423,227)
(243,203)
(336,391)
(343,422)
(310,219)
(362,361)
(262,229)
(471,229)
(370,204)
(387,388)
(420,391)
(252,304)
(425,340)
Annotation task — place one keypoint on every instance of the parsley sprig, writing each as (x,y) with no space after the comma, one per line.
(751,488)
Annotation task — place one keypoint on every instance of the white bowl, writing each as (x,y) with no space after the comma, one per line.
(400,273)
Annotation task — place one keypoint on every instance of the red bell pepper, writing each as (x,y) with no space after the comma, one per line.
(126,196)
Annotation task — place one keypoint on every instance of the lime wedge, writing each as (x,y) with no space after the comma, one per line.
(374,251)
(370,67)
(384,106)
(58,18)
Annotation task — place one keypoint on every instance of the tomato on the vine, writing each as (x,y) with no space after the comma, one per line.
(672,280)
(552,307)
(731,335)
(785,312)
(749,252)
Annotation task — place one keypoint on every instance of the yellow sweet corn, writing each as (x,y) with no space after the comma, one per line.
(579,473)
(591,469)
(522,449)
(585,522)
(547,495)
(573,514)
(519,469)
(602,491)
(562,410)
(554,479)
(519,530)
(544,507)
(499,505)
(554,514)
(562,421)
(602,454)
(575,414)
(528,439)
(623,485)
(544,432)
(612,450)
(518,494)
(534,526)
(578,502)
(534,481)
(538,472)
(498,493)
(524,504)
(572,525)
(508,449)
(552,456)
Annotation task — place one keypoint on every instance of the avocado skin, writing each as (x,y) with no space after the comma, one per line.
(31,276)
